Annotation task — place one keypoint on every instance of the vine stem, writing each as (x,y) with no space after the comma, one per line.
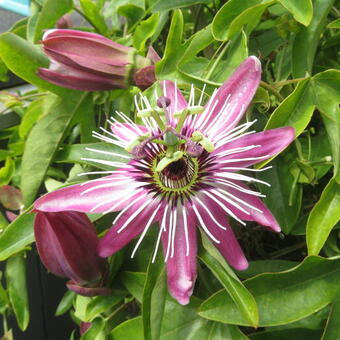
(289,81)
(272,89)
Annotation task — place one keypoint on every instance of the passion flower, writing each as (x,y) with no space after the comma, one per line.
(182,173)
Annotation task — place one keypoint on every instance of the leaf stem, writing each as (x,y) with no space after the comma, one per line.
(289,81)
(272,89)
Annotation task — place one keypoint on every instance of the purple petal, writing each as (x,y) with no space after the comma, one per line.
(88,291)
(177,101)
(89,64)
(231,100)
(264,218)
(67,245)
(134,222)
(153,55)
(268,143)
(181,268)
(127,132)
(89,39)
(95,196)
(228,244)
(80,80)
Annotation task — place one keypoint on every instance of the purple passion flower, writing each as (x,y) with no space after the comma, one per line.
(88,61)
(67,243)
(183,172)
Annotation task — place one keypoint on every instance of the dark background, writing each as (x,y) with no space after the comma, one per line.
(45,290)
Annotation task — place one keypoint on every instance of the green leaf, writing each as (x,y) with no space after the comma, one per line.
(144,31)
(240,295)
(50,131)
(92,12)
(34,111)
(282,297)
(17,290)
(77,152)
(230,12)
(323,217)
(295,111)
(173,48)
(50,13)
(302,10)
(96,331)
(325,87)
(6,172)
(200,40)
(334,24)
(3,71)
(265,266)
(307,39)
(332,329)
(65,303)
(283,198)
(287,334)
(100,304)
(17,235)
(134,283)
(237,53)
(24,59)
(130,329)
(182,322)
(161,5)
(154,294)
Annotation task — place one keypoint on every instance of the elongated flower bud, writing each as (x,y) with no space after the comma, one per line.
(67,243)
(88,61)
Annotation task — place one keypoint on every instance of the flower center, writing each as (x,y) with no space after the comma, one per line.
(177,176)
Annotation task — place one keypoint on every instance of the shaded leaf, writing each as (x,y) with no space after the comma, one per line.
(240,295)
(230,12)
(17,290)
(17,235)
(307,39)
(302,10)
(323,217)
(295,111)
(50,13)
(282,297)
(50,130)
(24,59)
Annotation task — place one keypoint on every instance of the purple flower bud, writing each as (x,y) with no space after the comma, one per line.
(145,77)
(67,243)
(88,61)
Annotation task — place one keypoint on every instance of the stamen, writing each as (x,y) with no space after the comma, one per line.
(205,228)
(104,162)
(239,200)
(162,229)
(134,215)
(173,233)
(185,223)
(227,210)
(210,214)
(232,175)
(228,200)
(108,153)
(145,230)
(169,238)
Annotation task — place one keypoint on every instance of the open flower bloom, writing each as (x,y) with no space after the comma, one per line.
(88,61)
(186,169)
(67,244)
